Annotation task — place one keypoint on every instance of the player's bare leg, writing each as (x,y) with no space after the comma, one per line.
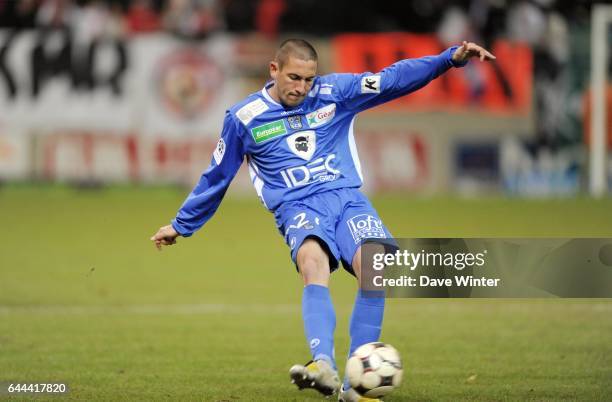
(319,322)
(372,248)
(313,263)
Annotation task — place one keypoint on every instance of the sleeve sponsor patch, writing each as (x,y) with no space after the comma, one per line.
(251,110)
(370,84)
(219,151)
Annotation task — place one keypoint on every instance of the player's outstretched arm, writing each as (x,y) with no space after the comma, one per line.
(359,92)
(467,50)
(166,236)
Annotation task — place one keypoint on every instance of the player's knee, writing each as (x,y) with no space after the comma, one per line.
(313,261)
(366,274)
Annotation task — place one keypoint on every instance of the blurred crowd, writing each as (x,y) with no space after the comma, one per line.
(543,24)
(480,19)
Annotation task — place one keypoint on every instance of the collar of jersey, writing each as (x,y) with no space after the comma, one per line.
(265,94)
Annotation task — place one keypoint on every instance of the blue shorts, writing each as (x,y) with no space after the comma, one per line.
(340,219)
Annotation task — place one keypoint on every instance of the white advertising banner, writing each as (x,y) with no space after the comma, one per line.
(147,85)
(50,82)
(183,90)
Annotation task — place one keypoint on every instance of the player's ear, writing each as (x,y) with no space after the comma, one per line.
(274,69)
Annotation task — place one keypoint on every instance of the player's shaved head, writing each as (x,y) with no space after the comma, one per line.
(298,48)
(293,71)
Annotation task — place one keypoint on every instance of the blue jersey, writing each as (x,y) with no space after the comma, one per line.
(294,152)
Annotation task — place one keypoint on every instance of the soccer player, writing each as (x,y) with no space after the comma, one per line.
(297,137)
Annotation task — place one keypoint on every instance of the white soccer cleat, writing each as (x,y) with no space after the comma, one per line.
(350,395)
(318,375)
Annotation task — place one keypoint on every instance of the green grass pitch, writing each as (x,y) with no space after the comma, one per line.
(85,299)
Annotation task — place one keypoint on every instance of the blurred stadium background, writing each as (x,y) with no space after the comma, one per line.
(110,110)
(134,91)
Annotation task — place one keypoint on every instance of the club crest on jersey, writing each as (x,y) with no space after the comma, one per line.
(295,122)
(303,143)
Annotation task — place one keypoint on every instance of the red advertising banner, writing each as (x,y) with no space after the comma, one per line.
(393,160)
(504,86)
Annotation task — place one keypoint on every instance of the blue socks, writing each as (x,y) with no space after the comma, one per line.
(366,321)
(319,322)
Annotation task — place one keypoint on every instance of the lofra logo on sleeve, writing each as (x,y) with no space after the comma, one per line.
(370,84)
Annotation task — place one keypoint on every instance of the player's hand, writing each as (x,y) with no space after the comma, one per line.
(166,236)
(468,50)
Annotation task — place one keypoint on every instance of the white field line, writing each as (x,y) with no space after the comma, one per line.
(172,309)
(503,305)
(420,305)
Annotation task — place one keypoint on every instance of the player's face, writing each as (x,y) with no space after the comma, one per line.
(294,80)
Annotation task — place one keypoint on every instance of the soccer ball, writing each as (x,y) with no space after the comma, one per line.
(374,369)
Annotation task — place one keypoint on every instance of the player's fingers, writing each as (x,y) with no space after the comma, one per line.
(476,51)
(157,235)
(483,53)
